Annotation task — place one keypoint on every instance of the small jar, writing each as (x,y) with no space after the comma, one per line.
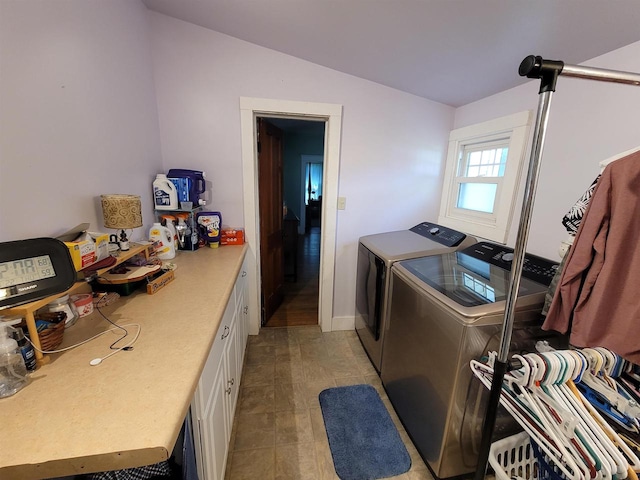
(63,304)
(83,303)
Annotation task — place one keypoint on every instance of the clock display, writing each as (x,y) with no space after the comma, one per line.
(25,270)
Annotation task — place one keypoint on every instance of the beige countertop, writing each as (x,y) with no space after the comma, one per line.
(76,418)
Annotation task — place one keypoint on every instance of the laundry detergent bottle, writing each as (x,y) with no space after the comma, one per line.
(162,239)
(165,195)
(13,372)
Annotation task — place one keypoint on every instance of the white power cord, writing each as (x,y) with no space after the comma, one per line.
(97,361)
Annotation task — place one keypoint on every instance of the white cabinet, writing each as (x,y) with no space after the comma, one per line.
(214,403)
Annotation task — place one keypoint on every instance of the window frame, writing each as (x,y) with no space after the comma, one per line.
(514,129)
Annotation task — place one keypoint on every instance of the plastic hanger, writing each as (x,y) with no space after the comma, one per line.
(631,458)
(537,420)
(532,422)
(542,397)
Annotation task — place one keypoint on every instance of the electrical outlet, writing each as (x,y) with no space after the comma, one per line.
(342,203)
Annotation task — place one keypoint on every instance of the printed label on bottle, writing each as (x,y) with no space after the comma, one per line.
(29,356)
(161,197)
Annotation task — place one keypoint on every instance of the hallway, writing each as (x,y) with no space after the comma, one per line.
(300,304)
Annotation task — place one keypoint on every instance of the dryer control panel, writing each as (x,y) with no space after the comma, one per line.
(438,233)
(535,268)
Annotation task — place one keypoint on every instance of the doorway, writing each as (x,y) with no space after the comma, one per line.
(301,181)
(331,115)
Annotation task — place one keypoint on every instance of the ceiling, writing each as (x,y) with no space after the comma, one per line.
(449,51)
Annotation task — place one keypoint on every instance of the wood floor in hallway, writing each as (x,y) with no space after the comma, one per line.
(300,304)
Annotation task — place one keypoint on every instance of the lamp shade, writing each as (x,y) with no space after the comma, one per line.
(121,211)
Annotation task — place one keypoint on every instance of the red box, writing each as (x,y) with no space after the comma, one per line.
(231,236)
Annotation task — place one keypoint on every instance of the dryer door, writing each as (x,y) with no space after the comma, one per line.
(371,275)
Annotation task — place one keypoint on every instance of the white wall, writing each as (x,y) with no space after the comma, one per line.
(393,144)
(78,118)
(78,113)
(589,122)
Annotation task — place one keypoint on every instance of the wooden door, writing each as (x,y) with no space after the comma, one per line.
(271,217)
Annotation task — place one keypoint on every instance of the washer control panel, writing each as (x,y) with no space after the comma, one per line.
(535,268)
(438,233)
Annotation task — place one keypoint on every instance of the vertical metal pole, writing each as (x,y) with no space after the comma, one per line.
(500,366)
(531,186)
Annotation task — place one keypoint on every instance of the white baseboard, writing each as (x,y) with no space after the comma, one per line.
(343,323)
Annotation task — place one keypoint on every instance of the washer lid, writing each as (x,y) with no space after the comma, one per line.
(468,281)
(403,244)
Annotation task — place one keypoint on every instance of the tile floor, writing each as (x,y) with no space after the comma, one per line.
(278,429)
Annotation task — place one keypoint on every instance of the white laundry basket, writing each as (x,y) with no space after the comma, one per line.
(514,457)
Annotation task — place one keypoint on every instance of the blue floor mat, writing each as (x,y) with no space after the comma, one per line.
(364,442)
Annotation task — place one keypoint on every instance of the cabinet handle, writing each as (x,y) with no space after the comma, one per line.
(225,334)
(246,310)
(231,382)
(244,274)
(228,390)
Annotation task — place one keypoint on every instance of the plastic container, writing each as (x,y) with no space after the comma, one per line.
(24,346)
(83,303)
(516,456)
(64,304)
(191,182)
(165,195)
(210,225)
(163,241)
(170,223)
(13,372)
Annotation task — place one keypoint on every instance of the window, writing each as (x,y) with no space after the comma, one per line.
(483,167)
(313,182)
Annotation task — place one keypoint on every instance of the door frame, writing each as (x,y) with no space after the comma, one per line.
(331,114)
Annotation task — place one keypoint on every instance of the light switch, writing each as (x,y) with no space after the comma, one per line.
(342,203)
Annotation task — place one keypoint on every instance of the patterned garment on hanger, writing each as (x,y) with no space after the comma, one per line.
(571,222)
(572,219)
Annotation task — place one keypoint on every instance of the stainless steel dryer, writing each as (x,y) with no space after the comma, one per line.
(444,311)
(376,254)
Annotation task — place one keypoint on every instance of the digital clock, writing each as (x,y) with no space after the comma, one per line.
(33,269)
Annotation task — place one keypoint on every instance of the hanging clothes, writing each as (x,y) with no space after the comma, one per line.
(598,295)
(573,218)
(571,222)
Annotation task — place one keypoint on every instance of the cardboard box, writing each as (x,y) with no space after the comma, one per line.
(231,236)
(87,248)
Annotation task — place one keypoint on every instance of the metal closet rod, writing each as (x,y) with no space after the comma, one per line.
(548,72)
(534,66)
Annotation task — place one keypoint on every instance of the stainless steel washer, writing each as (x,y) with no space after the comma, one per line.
(444,311)
(376,254)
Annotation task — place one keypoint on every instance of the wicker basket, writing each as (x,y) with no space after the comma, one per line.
(51,337)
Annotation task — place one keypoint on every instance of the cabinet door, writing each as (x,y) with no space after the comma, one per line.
(211,403)
(242,327)
(213,432)
(233,374)
(242,311)
(206,382)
